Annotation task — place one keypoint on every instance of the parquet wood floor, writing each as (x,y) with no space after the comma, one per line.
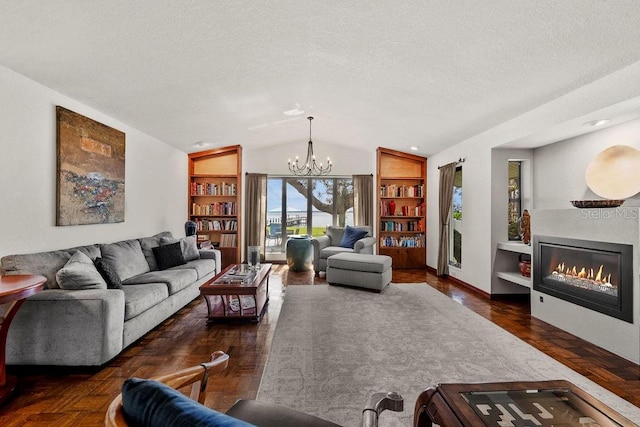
(79,397)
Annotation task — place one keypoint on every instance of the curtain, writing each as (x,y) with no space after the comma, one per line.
(363,200)
(256,212)
(445,197)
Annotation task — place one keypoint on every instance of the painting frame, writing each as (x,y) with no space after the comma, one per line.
(90,182)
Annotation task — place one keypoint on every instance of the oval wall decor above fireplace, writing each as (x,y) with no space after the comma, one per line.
(615,172)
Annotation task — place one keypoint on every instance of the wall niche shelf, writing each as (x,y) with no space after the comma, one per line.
(506,262)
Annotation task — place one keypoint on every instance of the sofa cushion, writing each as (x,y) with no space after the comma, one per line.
(126,257)
(45,264)
(152,403)
(188,245)
(201,266)
(108,273)
(80,273)
(332,250)
(351,236)
(140,298)
(148,243)
(175,279)
(168,256)
(92,251)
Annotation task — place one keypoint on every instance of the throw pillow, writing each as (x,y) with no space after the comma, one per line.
(168,256)
(108,273)
(351,236)
(188,245)
(125,257)
(80,273)
(152,403)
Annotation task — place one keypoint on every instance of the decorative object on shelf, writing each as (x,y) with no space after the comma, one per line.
(190,228)
(615,173)
(90,179)
(299,252)
(309,167)
(524,264)
(588,204)
(392,208)
(525,227)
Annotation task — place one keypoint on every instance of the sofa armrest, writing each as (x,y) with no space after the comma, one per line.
(364,245)
(67,327)
(213,254)
(318,244)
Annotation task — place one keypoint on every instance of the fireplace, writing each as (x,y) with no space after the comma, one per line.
(595,275)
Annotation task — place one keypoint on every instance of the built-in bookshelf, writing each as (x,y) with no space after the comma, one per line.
(215,183)
(402,207)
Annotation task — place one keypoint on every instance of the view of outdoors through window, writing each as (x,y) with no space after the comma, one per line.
(306,206)
(514,207)
(455,224)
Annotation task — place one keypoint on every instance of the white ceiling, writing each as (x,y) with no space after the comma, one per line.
(373,73)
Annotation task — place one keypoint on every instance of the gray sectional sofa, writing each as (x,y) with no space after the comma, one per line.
(84,326)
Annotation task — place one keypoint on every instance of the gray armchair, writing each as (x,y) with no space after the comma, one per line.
(329,244)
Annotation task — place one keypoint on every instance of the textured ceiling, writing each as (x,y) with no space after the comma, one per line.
(373,73)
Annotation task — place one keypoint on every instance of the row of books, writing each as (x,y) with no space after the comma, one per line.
(402,241)
(402,226)
(213,189)
(228,241)
(393,190)
(389,208)
(219,208)
(210,224)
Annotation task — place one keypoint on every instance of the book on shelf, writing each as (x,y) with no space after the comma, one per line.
(228,240)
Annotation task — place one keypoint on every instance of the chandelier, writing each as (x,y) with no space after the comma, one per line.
(309,167)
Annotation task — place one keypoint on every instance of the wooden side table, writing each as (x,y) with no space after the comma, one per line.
(540,403)
(13,291)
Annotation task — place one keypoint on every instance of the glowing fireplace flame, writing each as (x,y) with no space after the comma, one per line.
(599,278)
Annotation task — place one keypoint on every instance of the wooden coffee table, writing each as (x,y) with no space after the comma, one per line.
(513,403)
(237,293)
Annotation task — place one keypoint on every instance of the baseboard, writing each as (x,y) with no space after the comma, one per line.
(461,283)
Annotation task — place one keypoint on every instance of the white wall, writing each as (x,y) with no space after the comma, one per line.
(477,245)
(346,160)
(559,168)
(155,186)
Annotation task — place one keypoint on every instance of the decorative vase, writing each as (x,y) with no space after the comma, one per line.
(392,208)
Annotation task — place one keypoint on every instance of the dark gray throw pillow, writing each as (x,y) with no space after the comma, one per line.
(168,256)
(108,273)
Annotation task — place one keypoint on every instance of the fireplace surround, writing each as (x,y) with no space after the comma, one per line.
(596,275)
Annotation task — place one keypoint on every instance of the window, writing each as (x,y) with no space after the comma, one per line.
(455,224)
(515,199)
(306,206)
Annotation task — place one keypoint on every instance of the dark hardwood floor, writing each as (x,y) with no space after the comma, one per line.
(79,397)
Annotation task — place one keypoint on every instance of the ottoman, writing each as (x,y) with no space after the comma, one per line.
(359,270)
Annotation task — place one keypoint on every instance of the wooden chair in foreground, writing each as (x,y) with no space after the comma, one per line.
(261,414)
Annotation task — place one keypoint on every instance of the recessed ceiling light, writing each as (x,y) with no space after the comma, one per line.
(414,148)
(595,123)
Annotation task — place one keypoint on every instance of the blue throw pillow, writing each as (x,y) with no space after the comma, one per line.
(351,236)
(151,403)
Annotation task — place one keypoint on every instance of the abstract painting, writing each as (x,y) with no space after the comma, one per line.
(91,171)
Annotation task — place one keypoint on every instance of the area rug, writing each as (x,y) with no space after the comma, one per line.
(334,347)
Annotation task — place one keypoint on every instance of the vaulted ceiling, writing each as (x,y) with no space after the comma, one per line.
(373,73)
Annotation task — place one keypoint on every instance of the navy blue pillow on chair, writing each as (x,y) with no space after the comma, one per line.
(351,236)
(152,403)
